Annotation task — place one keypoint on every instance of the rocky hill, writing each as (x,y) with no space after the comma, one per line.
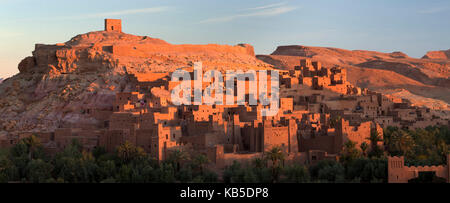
(394,74)
(445,55)
(59,82)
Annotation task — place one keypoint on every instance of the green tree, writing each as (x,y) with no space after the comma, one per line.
(332,173)
(178,157)
(364,146)
(106,170)
(259,163)
(442,150)
(275,155)
(185,174)
(401,143)
(374,138)
(166,173)
(127,152)
(89,168)
(98,151)
(8,171)
(209,177)
(327,170)
(296,174)
(200,161)
(349,152)
(38,171)
(32,144)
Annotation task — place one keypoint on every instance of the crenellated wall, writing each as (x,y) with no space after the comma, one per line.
(399,173)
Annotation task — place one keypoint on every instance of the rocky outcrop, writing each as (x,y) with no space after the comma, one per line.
(59,83)
(249,49)
(27,64)
(444,55)
(382,72)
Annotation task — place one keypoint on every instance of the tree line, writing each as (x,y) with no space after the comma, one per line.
(27,162)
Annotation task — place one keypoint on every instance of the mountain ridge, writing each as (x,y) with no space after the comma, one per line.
(389,73)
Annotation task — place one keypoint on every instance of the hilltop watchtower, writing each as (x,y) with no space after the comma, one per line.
(113,25)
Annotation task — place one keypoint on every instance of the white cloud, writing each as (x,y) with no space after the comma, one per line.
(433,10)
(121,13)
(102,14)
(262,11)
(130,11)
(266,6)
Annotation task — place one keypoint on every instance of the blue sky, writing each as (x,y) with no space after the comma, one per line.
(411,26)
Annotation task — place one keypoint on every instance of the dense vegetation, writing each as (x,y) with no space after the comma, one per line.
(428,146)
(27,162)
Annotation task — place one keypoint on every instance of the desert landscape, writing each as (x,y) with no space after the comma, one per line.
(424,82)
(109,106)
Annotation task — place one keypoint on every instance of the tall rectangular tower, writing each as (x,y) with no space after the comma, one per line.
(114,25)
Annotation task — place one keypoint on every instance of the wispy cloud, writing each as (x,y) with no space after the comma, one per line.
(127,12)
(261,11)
(102,14)
(9,34)
(117,13)
(433,10)
(266,6)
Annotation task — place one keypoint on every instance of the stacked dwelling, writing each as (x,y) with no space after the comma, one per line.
(319,112)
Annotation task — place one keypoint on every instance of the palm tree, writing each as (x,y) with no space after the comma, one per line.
(350,152)
(128,152)
(406,144)
(443,149)
(124,151)
(200,161)
(401,142)
(374,138)
(334,122)
(178,156)
(32,144)
(364,147)
(259,163)
(275,155)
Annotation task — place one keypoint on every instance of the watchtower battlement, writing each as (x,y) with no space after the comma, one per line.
(113,25)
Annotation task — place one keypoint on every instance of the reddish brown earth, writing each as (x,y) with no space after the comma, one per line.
(87,71)
(425,82)
(444,54)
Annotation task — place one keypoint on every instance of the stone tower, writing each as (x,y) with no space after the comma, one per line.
(113,25)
